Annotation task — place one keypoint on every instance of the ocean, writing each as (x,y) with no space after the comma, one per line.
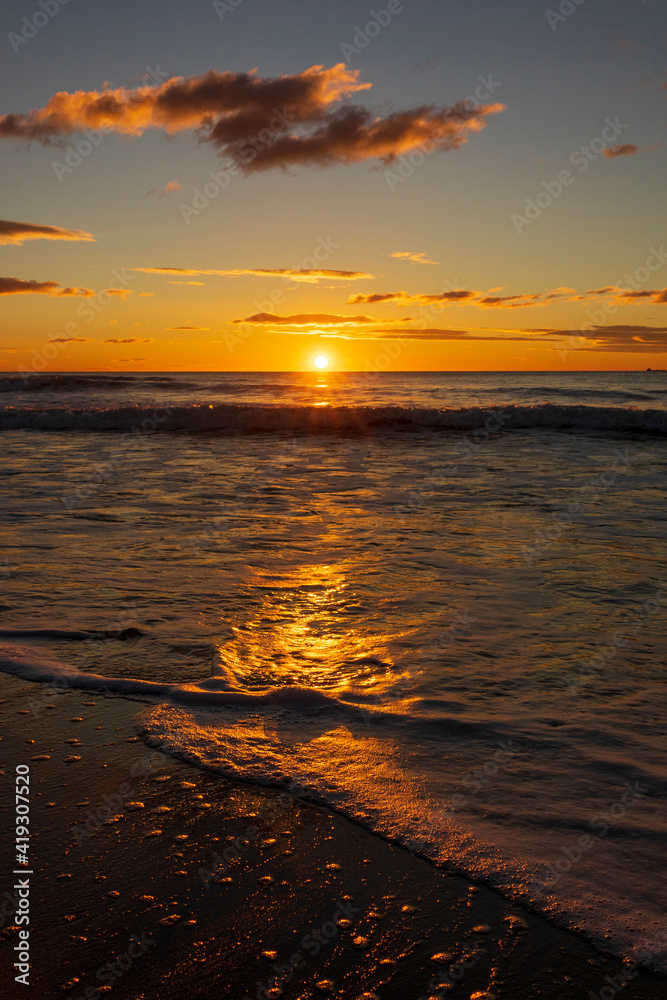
(432,601)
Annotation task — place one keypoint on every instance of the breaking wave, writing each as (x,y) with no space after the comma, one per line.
(247,418)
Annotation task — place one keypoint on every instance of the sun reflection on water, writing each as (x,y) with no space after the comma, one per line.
(307,628)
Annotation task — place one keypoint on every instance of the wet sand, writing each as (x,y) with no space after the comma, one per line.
(154,879)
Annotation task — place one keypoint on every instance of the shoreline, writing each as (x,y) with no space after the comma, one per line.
(149,872)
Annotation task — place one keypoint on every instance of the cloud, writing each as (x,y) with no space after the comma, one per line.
(599,339)
(70,340)
(657,295)
(308,275)
(415,258)
(306,319)
(522,300)
(617,338)
(200,284)
(403,298)
(169,186)
(128,340)
(188,327)
(510,301)
(17,232)
(431,334)
(17,286)
(625,149)
(260,123)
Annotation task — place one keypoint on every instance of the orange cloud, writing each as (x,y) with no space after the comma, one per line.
(628,339)
(403,298)
(657,295)
(128,340)
(17,286)
(625,149)
(415,258)
(260,123)
(430,334)
(169,186)
(305,319)
(522,300)
(188,328)
(17,232)
(509,301)
(308,275)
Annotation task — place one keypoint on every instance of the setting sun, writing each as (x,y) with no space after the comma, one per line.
(321,361)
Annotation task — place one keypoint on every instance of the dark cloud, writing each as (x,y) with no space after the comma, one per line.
(522,300)
(17,232)
(70,340)
(621,339)
(260,123)
(403,298)
(16,286)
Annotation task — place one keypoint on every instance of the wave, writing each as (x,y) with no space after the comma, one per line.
(571,392)
(247,418)
(77,383)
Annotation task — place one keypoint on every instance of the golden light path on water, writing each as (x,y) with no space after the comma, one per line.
(307,628)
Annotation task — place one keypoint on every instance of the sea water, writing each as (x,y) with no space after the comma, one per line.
(434,602)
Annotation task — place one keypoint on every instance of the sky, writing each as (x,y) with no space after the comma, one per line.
(412,185)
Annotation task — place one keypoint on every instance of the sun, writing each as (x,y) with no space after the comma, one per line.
(321,361)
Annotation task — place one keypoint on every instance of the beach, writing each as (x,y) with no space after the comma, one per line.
(429,632)
(132,891)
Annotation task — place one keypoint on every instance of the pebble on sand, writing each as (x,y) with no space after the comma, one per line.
(442,958)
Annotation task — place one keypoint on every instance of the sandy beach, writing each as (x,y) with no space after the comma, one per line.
(152,878)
